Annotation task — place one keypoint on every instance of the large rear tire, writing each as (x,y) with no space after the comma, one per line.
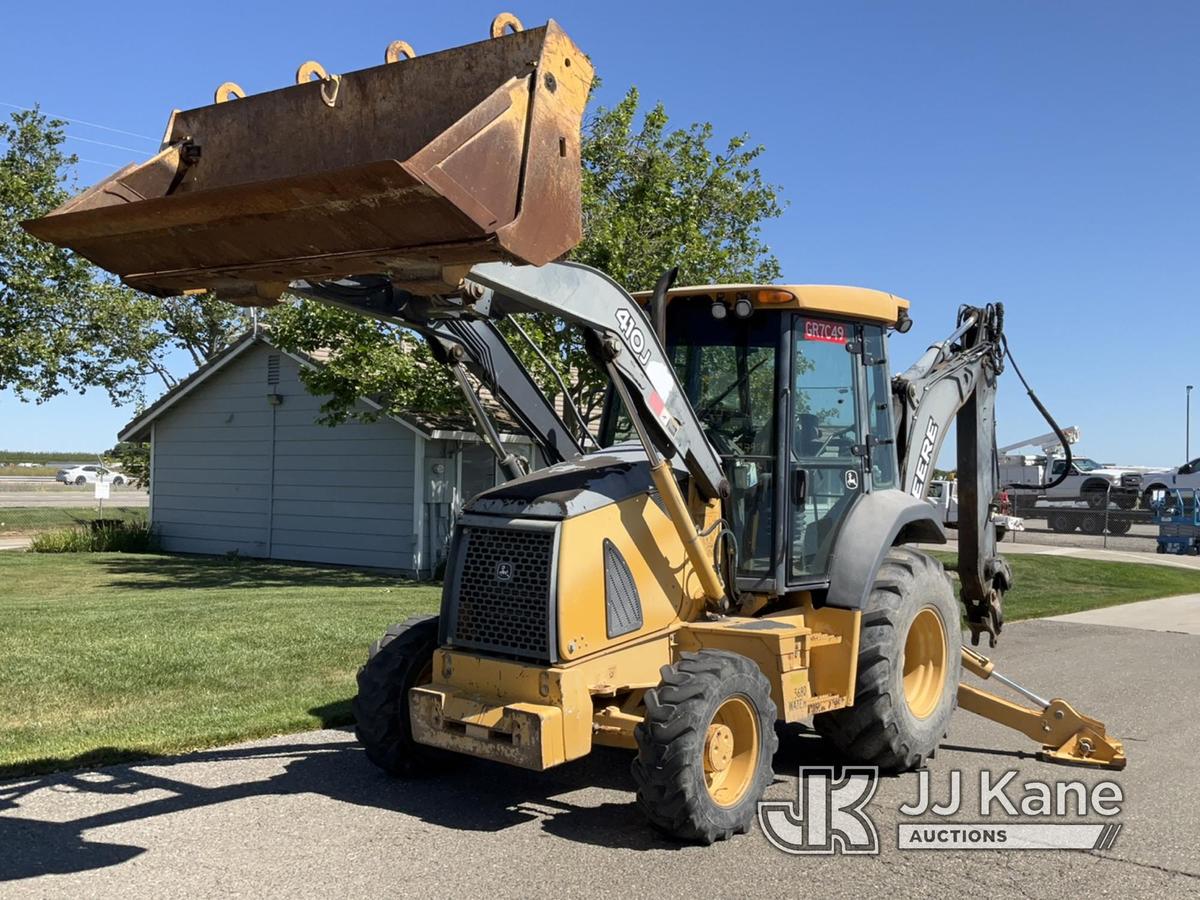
(401,659)
(705,747)
(908,668)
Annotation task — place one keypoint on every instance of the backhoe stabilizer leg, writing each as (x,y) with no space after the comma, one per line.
(1067,737)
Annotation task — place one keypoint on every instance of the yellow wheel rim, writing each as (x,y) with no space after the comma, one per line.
(924,663)
(731,748)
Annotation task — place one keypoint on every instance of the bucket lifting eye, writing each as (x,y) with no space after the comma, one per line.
(398,50)
(329,83)
(230,90)
(506,20)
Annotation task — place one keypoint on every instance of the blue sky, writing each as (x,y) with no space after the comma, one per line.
(1042,154)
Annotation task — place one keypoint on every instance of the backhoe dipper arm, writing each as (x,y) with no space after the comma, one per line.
(955,380)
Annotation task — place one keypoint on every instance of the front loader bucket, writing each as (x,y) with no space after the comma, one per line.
(416,169)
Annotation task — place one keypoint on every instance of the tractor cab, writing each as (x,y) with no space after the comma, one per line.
(791,384)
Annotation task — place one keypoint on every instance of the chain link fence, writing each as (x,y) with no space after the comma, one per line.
(1115,520)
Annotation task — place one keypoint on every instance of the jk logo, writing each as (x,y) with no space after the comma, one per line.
(827,816)
(504,571)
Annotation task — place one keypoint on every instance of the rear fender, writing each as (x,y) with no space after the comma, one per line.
(876,523)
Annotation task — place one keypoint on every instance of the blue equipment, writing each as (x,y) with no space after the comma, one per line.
(1178,519)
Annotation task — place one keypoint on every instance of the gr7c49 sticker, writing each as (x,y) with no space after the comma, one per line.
(822,330)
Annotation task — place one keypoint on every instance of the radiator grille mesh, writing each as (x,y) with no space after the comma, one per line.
(504,590)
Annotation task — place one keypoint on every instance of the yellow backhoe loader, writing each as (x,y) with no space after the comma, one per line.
(731,551)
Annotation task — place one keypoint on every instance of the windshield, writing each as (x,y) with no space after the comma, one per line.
(1083,464)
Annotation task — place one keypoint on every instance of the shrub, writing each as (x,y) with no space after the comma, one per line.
(103,536)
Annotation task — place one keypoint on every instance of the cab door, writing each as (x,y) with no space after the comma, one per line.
(827,453)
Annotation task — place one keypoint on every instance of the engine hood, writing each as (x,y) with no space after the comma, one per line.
(573,487)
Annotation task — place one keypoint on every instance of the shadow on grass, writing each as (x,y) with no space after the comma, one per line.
(159,572)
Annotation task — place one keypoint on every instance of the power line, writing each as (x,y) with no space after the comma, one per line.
(82,122)
(75,137)
(96,162)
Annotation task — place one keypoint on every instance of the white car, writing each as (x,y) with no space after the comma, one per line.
(90,475)
(1184,477)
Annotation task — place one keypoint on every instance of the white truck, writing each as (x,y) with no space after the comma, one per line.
(943,496)
(1183,477)
(1086,480)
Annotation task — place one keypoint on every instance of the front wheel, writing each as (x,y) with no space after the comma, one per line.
(401,659)
(705,746)
(1096,499)
(909,665)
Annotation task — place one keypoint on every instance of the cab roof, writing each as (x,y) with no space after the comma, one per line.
(830,299)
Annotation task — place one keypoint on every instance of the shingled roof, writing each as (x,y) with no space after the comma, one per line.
(430,425)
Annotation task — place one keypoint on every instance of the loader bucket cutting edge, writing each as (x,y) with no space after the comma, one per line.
(418,169)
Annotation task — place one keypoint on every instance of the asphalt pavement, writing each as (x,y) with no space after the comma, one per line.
(307,815)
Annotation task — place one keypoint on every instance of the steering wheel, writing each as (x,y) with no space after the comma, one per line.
(837,432)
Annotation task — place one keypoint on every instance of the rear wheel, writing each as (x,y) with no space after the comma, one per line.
(1119,526)
(1091,523)
(908,668)
(80,480)
(401,659)
(705,746)
(1062,522)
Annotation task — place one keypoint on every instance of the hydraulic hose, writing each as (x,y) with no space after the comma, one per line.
(1062,438)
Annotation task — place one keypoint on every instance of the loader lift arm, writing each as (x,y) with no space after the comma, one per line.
(461,329)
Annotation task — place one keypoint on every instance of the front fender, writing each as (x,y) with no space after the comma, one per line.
(874,524)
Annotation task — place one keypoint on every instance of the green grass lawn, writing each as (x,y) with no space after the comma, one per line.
(1054,585)
(106,657)
(109,657)
(19,519)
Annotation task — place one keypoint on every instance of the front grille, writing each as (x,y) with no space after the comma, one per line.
(504,590)
(1131,481)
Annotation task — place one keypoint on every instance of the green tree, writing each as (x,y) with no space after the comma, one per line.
(64,324)
(652,198)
